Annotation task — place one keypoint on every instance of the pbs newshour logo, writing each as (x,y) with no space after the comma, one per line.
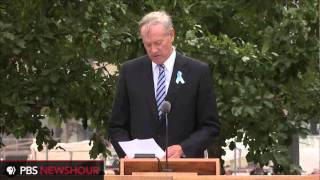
(11,170)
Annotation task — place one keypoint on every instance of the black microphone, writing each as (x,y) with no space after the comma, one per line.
(165,108)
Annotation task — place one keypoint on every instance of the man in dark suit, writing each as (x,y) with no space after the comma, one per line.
(164,74)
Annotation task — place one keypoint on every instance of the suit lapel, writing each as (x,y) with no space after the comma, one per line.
(149,87)
(179,65)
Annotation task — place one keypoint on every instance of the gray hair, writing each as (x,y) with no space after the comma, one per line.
(157,17)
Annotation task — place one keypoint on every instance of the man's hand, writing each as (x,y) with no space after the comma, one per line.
(175,151)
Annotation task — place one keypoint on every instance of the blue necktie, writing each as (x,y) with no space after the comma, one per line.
(161,87)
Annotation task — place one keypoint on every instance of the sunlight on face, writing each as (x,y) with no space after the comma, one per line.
(157,42)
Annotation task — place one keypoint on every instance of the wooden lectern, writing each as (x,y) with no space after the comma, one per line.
(198,166)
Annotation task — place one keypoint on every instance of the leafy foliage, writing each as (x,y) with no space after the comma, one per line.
(48,50)
(260,70)
(263,56)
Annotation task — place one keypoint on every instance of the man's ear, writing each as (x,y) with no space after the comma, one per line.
(172,33)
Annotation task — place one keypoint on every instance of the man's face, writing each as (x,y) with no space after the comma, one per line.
(157,42)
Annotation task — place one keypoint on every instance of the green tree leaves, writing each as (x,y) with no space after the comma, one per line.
(50,55)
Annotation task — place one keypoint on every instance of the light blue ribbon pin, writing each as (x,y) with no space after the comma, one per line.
(179,78)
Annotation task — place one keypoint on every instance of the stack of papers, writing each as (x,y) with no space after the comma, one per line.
(142,146)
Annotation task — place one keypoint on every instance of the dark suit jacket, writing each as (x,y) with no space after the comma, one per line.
(193,120)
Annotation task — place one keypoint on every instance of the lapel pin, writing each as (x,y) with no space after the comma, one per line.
(179,78)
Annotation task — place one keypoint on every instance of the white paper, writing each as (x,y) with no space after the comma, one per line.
(142,146)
